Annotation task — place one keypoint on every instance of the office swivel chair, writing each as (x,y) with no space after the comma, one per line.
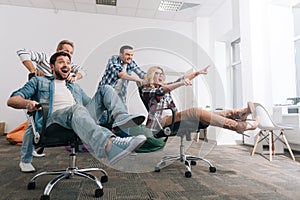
(181,129)
(55,136)
(266,133)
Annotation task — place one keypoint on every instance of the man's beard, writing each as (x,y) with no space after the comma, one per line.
(59,76)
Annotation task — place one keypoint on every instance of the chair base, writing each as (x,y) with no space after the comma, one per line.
(69,173)
(188,160)
(270,137)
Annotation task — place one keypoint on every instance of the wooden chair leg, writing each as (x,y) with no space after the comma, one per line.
(287,144)
(256,142)
(273,145)
(270,144)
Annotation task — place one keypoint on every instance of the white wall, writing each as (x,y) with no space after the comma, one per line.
(265,30)
(282,57)
(41,29)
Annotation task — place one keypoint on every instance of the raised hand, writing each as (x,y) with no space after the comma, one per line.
(204,70)
(186,82)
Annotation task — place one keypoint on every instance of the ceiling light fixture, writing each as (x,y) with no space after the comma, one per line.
(171,6)
(106,2)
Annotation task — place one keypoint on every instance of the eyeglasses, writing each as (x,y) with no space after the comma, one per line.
(159,73)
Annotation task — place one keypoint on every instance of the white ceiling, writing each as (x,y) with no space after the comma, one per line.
(132,8)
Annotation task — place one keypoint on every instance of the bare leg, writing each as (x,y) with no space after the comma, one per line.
(238,114)
(210,118)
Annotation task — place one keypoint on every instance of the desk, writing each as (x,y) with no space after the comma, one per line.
(281,116)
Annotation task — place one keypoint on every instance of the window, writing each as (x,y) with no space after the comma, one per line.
(236,75)
(296,13)
(297,63)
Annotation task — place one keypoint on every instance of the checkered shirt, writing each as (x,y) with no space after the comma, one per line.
(115,66)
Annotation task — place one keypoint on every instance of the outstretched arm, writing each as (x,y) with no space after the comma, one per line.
(193,75)
(172,86)
(125,76)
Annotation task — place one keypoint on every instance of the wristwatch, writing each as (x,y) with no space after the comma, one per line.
(30,75)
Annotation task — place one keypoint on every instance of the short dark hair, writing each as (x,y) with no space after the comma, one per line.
(57,54)
(125,47)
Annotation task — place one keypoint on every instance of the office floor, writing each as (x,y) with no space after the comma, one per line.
(238,176)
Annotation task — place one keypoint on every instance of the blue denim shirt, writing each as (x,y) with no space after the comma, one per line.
(41,89)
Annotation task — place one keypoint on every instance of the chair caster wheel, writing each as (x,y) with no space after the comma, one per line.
(162,164)
(104,179)
(188,174)
(99,193)
(157,169)
(212,169)
(31,186)
(193,162)
(45,197)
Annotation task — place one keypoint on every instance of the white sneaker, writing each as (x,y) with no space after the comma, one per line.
(26,167)
(35,154)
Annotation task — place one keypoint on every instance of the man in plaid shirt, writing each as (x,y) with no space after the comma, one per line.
(118,72)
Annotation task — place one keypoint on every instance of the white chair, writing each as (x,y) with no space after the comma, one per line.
(267,128)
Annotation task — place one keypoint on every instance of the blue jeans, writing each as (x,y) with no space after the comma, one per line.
(83,120)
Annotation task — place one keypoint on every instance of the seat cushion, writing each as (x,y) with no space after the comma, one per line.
(182,128)
(57,135)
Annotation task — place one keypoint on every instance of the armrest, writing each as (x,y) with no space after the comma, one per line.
(30,75)
(169,129)
(37,135)
(45,110)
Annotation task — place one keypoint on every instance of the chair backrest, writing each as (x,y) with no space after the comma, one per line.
(265,120)
(53,135)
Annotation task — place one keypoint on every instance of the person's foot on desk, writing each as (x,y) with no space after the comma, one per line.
(119,148)
(124,121)
(26,167)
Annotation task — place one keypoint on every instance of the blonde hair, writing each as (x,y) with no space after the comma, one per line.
(63,42)
(151,72)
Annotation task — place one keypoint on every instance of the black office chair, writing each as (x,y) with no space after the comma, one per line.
(55,136)
(181,129)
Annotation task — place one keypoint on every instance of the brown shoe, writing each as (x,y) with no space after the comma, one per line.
(250,108)
(247,125)
(243,113)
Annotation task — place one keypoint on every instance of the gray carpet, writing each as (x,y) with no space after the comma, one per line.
(238,176)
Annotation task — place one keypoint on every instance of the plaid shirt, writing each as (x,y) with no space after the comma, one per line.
(113,68)
(155,100)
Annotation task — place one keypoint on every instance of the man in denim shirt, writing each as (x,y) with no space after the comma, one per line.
(38,64)
(70,107)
